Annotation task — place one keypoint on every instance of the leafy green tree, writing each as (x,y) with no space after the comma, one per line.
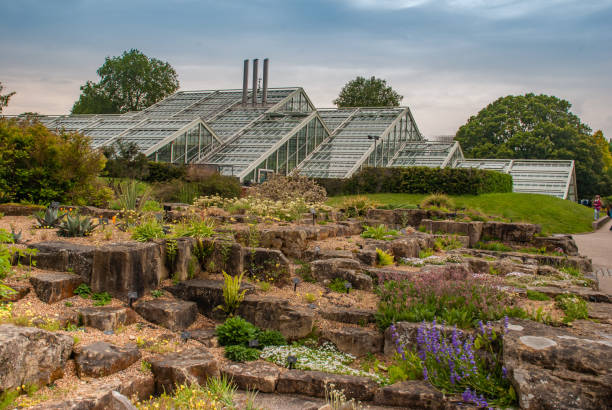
(130,82)
(538,127)
(372,92)
(4,99)
(40,166)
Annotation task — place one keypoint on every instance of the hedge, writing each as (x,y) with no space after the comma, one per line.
(420,180)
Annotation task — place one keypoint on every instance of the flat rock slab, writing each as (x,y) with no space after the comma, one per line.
(347,315)
(561,368)
(186,367)
(355,340)
(172,314)
(20,292)
(103,317)
(601,312)
(207,293)
(585,293)
(259,376)
(54,286)
(31,356)
(208,337)
(100,359)
(313,384)
(411,394)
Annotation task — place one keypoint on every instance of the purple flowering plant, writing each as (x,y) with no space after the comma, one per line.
(456,362)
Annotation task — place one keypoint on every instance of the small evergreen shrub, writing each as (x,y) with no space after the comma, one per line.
(236,331)
(573,306)
(238,353)
(535,295)
(338,285)
(148,230)
(271,338)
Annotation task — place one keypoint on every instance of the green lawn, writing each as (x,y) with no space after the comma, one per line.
(555,215)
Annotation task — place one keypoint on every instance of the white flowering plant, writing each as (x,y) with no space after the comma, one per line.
(325,358)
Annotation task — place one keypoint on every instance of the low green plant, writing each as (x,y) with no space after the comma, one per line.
(422,228)
(223,389)
(271,338)
(384,258)
(304,271)
(83,290)
(238,353)
(358,206)
(379,232)
(157,293)
(236,331)
(75,225)
(152,206)
(494,271)
(128,195)
(409,369)
(232,296)
(573,306)
(492,246)
(203,228)
(101,299)
(572,271)
(7,399)
(447,243)
(310,297)
(338,285)
(426,253)
(148,230)
(264,285)
(145,366)
(535,295)
(5,237)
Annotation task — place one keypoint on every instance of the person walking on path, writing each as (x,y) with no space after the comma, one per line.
(597,206)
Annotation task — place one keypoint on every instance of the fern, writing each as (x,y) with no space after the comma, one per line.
(232,296)
(384,258)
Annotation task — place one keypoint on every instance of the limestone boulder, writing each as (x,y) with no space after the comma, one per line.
(473,230)
(101,359)
(207,294)
(277,314)
(51,287)
(186,367)
(510,232)
(355,340)
(267,265)
(347,315)
(103,317)
(411,394)
(21,291)
(327,270)
(561,368)
(208,337)
(552,243)
(65,257)
(312,383)
(260,376)
(31,356)
(172,314)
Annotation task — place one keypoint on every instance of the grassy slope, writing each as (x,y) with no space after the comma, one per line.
(554,214)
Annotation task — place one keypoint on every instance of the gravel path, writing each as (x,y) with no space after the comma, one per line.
(598,247)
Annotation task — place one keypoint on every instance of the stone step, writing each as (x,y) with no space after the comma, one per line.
(105,318)
(312,383)
(585,293)
(347,315)
(261,376)
(186,367)
(172,314)
(355,340)
(51,287)
(101,359)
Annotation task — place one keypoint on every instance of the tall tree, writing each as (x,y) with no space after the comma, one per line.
(4,99)
(372,92)
(130,82)
(538,127)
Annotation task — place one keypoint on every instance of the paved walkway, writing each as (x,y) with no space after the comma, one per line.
(598,247)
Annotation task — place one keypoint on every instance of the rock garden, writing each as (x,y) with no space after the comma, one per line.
(236,302)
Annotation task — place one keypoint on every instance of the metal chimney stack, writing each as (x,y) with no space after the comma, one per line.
(264,97)
(255,68)
(245,83)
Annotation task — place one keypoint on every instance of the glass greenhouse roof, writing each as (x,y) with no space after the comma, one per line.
(289,135)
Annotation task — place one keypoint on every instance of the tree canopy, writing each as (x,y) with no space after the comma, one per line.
(372,92)
(130,82)
(539,127)
(4,99)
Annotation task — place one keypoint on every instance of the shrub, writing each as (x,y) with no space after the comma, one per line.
(152,206)
(379,232)
(447,243)
(241,354)
(236,331)
(83,290)
(187,191)
(420,180)
(271,338)
(304,271)
(75,225)
(437,200)
(384,258)
(286,188)
(101,299)
(573,306)
(131,195)
(199,229)
(425,253)
(40,166)
(164,171)
(148,230)
(572,271)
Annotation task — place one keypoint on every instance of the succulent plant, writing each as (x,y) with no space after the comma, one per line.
(75,225)
(49,219)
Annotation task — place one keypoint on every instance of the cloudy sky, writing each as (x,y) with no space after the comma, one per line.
(448,58)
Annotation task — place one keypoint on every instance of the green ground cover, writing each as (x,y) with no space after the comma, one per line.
(554,214)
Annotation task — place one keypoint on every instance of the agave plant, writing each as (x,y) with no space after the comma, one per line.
(49,219)
(75,225)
